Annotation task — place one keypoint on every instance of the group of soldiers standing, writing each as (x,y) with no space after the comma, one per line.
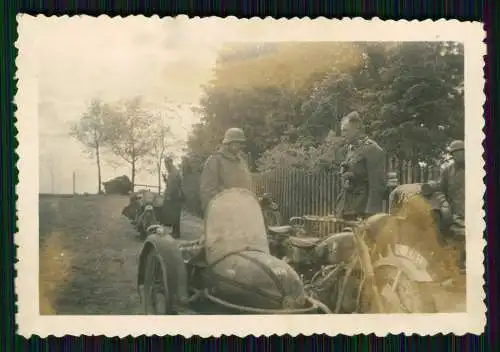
(362,173)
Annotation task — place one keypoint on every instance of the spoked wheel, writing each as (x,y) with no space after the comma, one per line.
(157,299)
(400,294)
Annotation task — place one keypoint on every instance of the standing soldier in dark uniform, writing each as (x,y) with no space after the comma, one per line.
(226,168)
(174,198)
(452,185)
(362,173)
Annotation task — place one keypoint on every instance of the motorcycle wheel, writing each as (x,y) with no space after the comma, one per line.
(156,294)
(407,296)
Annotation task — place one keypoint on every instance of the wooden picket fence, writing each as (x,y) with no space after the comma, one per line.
(301,193)
(152,188)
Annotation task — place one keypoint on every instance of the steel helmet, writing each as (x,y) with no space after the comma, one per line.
(234,135)
(456,145)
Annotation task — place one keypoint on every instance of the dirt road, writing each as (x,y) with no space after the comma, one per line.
(88,257)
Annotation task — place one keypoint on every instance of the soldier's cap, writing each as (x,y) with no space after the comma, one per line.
(455,145)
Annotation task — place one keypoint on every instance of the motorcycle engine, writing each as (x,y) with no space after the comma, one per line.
(339,247)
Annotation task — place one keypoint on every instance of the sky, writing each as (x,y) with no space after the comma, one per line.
(80,58)
(112,60)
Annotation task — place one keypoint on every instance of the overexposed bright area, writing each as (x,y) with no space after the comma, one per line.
(161,60)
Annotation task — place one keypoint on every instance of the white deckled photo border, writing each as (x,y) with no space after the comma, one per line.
(29,320)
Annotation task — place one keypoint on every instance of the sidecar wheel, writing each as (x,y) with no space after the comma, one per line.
(407,296)
(156,299)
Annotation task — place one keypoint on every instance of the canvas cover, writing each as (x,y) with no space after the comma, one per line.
(233,223)
(256,279)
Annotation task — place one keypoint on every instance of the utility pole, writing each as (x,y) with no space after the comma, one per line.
(51,165)
(74,182)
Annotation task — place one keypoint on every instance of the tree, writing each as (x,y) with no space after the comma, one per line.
(261,88)
(421,101)
(90,131)
(289,96)
(162,139)
(130,132)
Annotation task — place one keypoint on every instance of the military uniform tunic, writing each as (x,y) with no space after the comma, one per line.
(363,180)
(452,184)
(172,204)
(223,170)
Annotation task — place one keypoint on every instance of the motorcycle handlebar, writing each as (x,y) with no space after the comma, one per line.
(331,219)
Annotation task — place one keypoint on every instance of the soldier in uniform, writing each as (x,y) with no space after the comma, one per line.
(174,198)
(226,168)
(362,173)
(452,185)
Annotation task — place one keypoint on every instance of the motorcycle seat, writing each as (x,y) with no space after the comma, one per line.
(280,230)
(304,242)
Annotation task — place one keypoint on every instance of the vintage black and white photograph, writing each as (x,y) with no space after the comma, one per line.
(252,169)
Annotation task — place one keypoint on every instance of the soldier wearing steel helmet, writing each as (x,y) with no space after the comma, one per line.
(226,168)
(452,180)
(452,185)
(362,172)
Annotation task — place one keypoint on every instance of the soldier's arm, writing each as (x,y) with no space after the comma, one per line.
(375,164)
(209,186)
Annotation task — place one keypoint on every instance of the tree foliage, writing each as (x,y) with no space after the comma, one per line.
(289,98)
(129,132)
(162,141)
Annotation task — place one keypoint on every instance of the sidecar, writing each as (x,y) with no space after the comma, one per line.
(440,233)
(144,209)
(229,270)
(405,198)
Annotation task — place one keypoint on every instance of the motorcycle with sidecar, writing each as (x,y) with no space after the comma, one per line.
(143,211)
(228,270)
(441,235)
(356,270)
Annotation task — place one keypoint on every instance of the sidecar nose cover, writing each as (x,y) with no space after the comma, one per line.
(256,279)
(234,223)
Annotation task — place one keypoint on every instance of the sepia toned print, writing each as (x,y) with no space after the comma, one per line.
(227,176)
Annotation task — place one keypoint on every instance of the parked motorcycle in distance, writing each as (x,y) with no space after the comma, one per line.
(143,212)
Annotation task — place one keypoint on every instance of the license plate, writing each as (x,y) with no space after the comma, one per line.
(411,254)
